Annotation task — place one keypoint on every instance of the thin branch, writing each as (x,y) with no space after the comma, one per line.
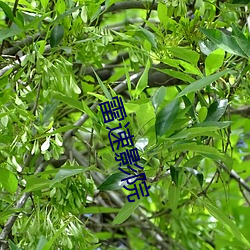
(235,176)
(21,44)
(37,97)
(148,14)
(243,111)
(20,203)
(204,192)
(16,63)
(244,195)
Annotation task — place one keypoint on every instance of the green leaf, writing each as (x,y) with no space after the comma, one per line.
(127,77)
(214,61)
(186,54)
(9,211)
(202,114)
(188,105)
(68,12)
(194,161)
(127,209)
(8,180)
(13,246)
(177,74)
(99,210)
(244,45)
(143,81)
(56,35)
(70,101)
(147,35)
(216,110)
(104,89)
(238,33)
(88,111)
(49,110)
(41,243)
(174,172)
(162,12)
(241,40)
(9,32)
(7,10)
(193,132)
(158,97)
(173,196)
(227,223)
(113,182)
(189,68)
(197,85)
(204,150)
(49,244)
(35,21)
(219,125)
(66,172)
(166,117)
(44,3)
(207,46)
(100,97)
(198,175)
(223,41)
(34,183)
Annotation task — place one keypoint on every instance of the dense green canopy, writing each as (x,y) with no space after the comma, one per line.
(180,69)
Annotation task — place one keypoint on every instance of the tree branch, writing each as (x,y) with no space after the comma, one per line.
(16,63)
(20,203)
(236,177)
(21,44)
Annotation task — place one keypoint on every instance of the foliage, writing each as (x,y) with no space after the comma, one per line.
(181,68)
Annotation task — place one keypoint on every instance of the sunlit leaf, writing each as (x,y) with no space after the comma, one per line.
(127,209)
(214,61)
(104,88)
(173,196)
(66,172)
(162,12)
(35,183)
(49,244)
(13,246)
(143,81)
(8,180)
(70,101)
(99,210)
(41,243)
(197,85)
(185,54)
(7,10)
(158,97)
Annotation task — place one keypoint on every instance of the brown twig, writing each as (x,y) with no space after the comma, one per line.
(148,14)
